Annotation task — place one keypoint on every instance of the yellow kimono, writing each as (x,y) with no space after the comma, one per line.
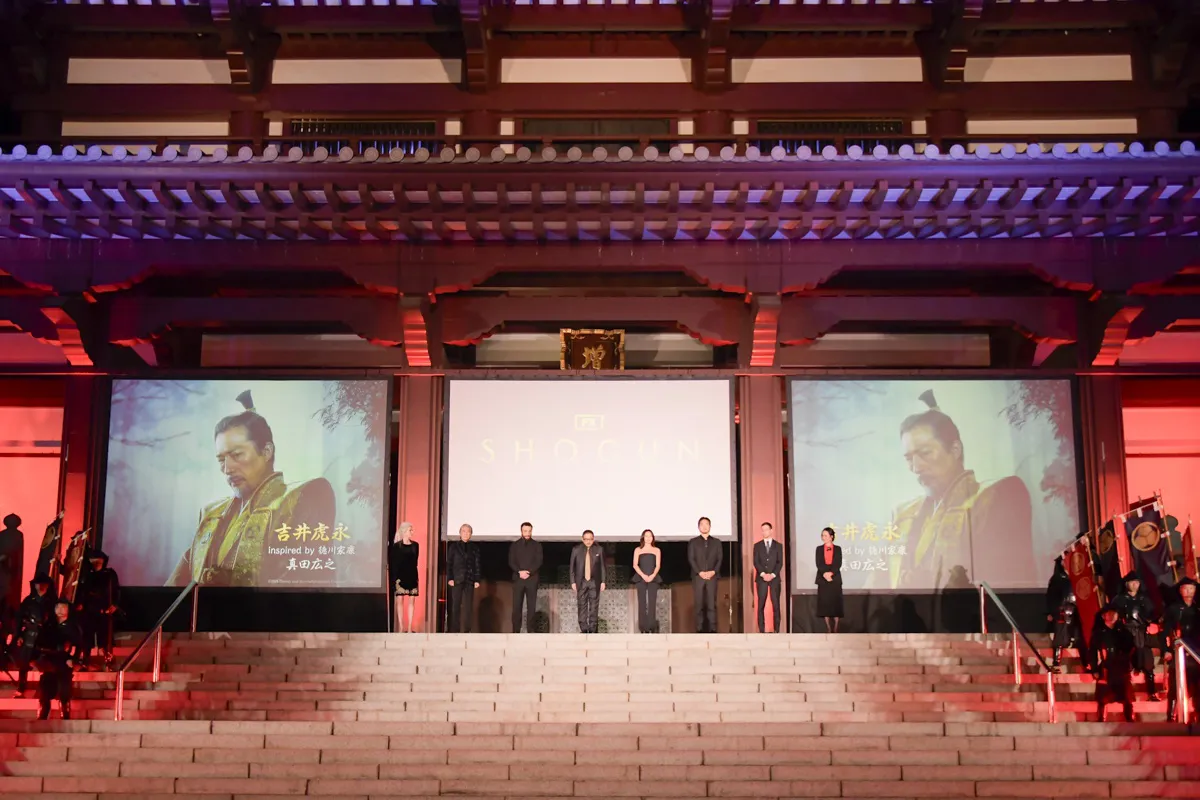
(974,530)
(231,539)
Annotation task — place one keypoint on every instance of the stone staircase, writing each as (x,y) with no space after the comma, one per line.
(379,715)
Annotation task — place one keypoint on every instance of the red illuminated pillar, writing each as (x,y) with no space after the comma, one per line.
(418,478)
(82,456)
(1103,447)
(760,407)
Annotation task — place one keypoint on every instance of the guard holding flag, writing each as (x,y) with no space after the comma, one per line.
(1182,621)
(1137,617)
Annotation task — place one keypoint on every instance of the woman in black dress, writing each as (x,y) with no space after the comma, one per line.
(402,564)
(829,581)
(647,562)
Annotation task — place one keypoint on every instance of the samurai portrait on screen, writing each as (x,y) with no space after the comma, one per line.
(278,484)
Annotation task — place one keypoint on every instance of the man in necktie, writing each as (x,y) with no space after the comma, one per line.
(768,561)
(588,581)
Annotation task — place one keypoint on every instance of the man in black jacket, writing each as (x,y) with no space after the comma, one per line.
(588,581)
(768,560)
(58,656)
(704,557)
(525,559)
(1138,616)
(463,571)
(33,617)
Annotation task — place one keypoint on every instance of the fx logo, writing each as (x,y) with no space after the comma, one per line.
(587,423)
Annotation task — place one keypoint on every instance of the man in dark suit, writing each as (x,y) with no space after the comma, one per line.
(704,557)
(588,581)
(463,570)
(525,559)
(768,560)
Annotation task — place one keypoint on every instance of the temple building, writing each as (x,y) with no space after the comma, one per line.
(750,190)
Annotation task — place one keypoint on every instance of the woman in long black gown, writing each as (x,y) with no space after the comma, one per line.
(647,562)
(829,581)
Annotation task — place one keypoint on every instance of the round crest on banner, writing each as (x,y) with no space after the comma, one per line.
(1084,589)
(1146,536)
(1105,541)
(1078,563)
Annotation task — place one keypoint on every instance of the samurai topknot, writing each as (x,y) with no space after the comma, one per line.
(257,429)
(938,421)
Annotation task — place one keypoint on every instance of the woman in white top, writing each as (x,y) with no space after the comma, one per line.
(647,562)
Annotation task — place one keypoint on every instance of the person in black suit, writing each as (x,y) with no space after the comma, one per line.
(588,581)
(704,557)
(525,559)
(463,571)
(768,560)
(829,581)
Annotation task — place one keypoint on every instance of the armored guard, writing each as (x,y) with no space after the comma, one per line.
(1062,610)
(1181,621)
(1138,617)
(1111,659)
(33,618)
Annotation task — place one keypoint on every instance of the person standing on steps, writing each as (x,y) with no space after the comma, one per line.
(1110,659)
(1137,615)
(1062,611)
(525,559)
(704,557)
(97,604)
(647,562)
(768,561)
(588,581)
(1181,621)
(463,569)
(830,605)
(12,564)
(34,617)
(403,555)
(59,654)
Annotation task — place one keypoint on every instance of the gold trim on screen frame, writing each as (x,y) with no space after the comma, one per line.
(619,333)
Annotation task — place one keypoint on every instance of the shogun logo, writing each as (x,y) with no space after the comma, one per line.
(586,423)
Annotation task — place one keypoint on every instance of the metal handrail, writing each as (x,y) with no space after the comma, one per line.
(1181,687)
(985,592)
(155,633)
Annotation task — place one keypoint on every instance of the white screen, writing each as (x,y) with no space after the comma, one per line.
(613,456)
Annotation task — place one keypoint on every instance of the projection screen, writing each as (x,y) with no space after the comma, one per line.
(934,484)
(614,456)
(253,483)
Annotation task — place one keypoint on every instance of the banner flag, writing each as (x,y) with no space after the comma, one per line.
(1108,566)
(1081,570)
(1189,554)
(1146,534)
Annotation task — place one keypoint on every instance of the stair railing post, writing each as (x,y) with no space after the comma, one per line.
(119,713)
(195,606)
(1016,658)
(982,610)
(1182,712)
(1050,695)
(157,657)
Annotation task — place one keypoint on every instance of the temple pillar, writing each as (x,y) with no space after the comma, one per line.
(760,409)
(1103,447)
(85,407)
(418,474)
